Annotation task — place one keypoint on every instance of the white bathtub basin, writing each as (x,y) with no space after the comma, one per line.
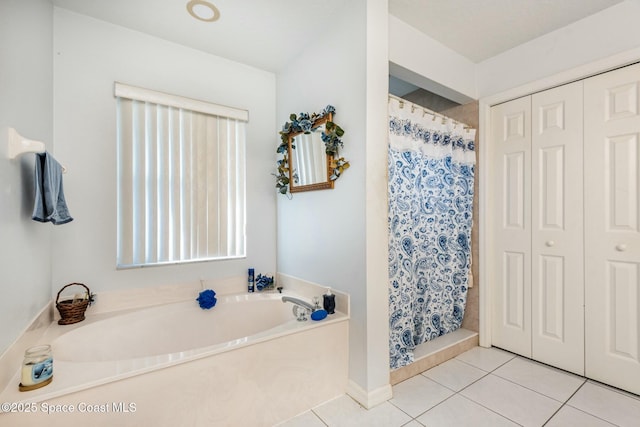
(174,328)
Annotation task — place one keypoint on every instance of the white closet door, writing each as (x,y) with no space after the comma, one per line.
(511,251)
(557,281)
(612,235)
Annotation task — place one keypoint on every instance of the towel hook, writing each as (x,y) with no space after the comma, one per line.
(18,145)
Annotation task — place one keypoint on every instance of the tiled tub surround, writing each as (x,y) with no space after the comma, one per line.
(180,365)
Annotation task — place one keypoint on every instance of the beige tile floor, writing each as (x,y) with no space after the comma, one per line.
(486,387)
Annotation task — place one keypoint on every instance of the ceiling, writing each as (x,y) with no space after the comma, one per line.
(480,29)
(262,33)
(268,34)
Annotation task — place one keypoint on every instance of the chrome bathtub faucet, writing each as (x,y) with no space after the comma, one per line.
(301,309)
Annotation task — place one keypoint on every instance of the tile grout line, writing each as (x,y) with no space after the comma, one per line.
(319,417)
(585,412)
(456,393)
(472,401)
(437,404)
(458,360)
(526,388)
(402,410)
(614,389)
(498,376)
(480,404)
(565,403)
(584,379)
(486,373)
(535,391)
(477,367)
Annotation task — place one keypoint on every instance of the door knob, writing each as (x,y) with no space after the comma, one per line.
(550,243)
(621,247)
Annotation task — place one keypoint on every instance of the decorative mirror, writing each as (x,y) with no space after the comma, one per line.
(309,149)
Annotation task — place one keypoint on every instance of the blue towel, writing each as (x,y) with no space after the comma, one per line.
(50,204)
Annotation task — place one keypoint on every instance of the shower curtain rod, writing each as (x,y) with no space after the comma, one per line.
(415,106)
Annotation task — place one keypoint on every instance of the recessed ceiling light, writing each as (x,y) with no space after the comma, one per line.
(203,10)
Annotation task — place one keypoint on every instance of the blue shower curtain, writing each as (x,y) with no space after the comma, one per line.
(431,173)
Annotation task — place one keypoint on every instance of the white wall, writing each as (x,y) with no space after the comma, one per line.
(26,101)
(377,388)
(89,55)
(322,235)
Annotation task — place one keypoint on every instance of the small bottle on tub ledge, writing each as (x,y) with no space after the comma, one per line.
(329,302)
(251,280)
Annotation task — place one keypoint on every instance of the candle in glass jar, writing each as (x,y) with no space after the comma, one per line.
(37,366)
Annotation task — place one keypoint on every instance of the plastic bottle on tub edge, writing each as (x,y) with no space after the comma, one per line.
(329,302)
(251,280)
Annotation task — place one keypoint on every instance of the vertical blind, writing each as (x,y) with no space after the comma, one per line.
(181,179)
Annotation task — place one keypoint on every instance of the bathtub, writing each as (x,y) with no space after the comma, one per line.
(247,361)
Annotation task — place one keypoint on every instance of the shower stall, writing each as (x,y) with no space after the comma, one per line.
(433,303)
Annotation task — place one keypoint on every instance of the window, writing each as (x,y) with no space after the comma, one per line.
(181,179)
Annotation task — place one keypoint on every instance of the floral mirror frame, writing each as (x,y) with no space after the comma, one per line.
(304,123)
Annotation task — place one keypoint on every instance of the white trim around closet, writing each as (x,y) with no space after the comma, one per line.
(577,73)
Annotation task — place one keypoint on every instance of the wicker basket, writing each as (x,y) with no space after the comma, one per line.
(72,311)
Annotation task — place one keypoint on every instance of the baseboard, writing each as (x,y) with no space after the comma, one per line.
(371,398)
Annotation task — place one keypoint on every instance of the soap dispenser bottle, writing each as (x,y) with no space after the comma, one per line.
(329,302)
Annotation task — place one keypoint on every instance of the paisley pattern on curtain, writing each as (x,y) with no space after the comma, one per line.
(431,174)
